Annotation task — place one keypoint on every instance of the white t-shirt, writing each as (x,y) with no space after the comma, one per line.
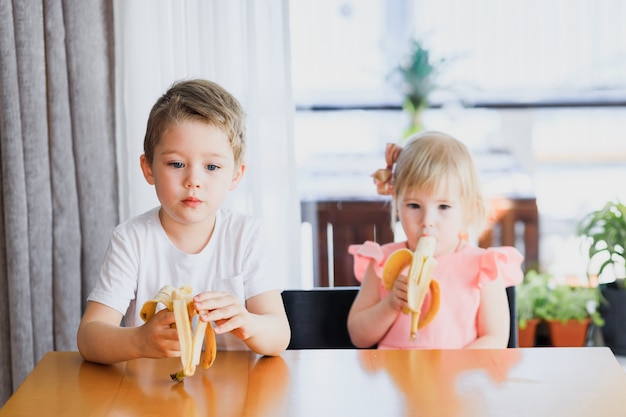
(140,260)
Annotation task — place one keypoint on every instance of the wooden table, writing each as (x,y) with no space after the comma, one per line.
(508,382)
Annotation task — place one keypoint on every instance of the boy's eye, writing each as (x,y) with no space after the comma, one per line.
(212,167)
(176,164)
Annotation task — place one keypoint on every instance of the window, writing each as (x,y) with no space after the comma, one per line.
(515,52)
(535,88)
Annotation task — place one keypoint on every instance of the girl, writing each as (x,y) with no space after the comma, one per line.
(435,190)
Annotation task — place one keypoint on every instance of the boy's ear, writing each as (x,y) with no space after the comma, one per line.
(146,169)
(237,176)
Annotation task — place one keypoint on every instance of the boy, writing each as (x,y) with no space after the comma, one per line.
(193,155)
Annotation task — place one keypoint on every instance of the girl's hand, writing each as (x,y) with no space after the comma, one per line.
(158,338)
(225,310)
(397,297)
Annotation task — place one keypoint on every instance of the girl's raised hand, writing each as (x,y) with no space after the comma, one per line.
(397,296)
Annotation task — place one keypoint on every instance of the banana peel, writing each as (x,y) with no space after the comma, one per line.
(180,302)
(420,280)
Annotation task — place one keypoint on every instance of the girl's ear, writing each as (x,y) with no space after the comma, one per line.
(146,169)
(237,175)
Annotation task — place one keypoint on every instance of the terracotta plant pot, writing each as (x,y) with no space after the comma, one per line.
(526,336)
(572,333)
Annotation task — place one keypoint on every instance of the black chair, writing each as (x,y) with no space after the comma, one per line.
(318,317)
(510,294)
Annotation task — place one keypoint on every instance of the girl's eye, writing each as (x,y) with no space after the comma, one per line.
(413,205)
(444,206)
(212,167)
(176,164)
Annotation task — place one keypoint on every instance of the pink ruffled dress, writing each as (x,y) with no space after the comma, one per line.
(460,277)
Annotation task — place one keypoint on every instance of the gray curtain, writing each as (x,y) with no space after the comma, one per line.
(58,181)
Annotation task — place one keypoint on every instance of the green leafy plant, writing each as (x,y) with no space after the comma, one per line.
(530,295)
(418,75)
(566,302)
(605,230)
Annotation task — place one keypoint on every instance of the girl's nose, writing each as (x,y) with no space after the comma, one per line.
(429,218)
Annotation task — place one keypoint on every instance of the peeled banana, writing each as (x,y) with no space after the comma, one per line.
(180,302)
(420,280)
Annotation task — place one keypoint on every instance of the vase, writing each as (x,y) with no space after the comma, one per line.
(526,336)
(572,333)
(614,315)
(416,124)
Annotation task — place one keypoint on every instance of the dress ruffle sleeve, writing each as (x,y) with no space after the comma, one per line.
(363,254)
(505,262)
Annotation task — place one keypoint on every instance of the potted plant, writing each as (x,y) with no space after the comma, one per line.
(417,80)
(605,233)
(530,295)
(569,311)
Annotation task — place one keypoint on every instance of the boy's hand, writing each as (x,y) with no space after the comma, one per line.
(158,337)
(225,310)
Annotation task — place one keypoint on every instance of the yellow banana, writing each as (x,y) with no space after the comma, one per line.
(183,327)
(164,296)
(180,302)
(420,280)
(210,347)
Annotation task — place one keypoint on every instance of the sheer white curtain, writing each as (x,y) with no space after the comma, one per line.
(244,46)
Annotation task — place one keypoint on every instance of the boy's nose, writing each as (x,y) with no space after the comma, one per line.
(192,180)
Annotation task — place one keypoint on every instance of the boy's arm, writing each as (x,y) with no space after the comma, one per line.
(262,323)
(269,325)
(101,339)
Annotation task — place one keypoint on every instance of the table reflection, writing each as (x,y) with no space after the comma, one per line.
(236,385)
(439,382)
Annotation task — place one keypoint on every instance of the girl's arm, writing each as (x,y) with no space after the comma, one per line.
(493,317)
(370,316)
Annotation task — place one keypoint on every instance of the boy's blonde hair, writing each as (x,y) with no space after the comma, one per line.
(431,157)
(197,100)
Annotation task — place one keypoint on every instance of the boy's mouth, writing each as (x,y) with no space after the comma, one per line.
(192,201)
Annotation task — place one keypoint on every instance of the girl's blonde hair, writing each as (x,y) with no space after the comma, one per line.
(431,157)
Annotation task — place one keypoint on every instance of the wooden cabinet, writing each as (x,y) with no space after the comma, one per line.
(514,222)
(338,223)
